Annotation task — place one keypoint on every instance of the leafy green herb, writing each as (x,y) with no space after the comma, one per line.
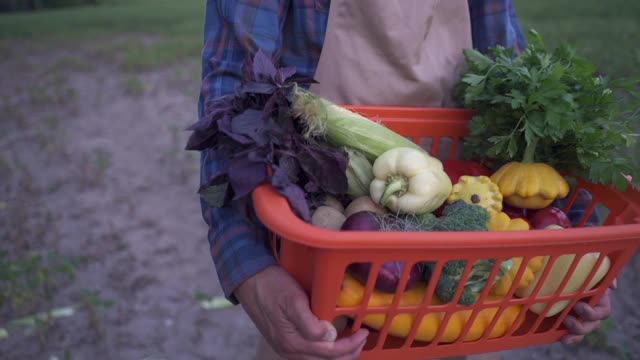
(552,107)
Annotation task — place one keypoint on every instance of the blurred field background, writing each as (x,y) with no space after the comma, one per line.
(103,250)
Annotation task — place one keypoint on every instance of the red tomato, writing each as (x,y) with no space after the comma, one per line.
(540,219)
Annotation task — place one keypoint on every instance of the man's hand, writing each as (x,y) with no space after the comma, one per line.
(280,309)
(590,318)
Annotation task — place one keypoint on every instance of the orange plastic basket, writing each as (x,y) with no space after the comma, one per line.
(318,258)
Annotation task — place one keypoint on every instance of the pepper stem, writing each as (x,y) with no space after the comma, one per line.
(394,185)
(530,151)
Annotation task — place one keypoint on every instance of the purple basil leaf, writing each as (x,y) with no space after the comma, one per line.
(247,70)
(311,187)
(200,140)
(259,154)
(245,175)
(250,124)
(297,200)
(325,167)
(263,67)
(289,165)
(226,126)
(280,179)
(301,79)
(259,88)
(283,74)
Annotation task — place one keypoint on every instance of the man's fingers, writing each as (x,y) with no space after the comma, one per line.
(346,347)
(600,312)
(577,327)
(308,324)
(571,339)
(355,355)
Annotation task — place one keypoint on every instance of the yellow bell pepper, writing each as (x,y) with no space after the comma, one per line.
(352,291)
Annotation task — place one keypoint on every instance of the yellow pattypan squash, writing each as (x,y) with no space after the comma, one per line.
(502,222)
(502,286)
(530,185)
(478,190)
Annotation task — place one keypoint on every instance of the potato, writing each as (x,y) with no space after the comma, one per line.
(328,217)
(334,203)
(363,203)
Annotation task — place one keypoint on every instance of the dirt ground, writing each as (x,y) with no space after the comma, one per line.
(91,164)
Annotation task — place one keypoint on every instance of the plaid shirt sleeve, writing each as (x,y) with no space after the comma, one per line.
(234,29)
(494,22)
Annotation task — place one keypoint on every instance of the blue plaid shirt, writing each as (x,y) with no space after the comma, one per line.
(293,32)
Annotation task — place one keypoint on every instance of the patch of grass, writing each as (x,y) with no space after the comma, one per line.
(54,90)
(30,280)
(133,86)
(608,32)
(166,51)
(177,24)
(70,63)
(114,16)
(599,340)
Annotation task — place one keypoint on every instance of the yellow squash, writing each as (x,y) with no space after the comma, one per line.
(478,190)
(352,292)
(530,185)
(502,222)
(556,274)
(502,286)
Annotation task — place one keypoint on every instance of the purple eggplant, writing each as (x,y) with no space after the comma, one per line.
(388,275)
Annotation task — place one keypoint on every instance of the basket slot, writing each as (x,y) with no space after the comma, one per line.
(443,147)
(459,151)
(393,307)
(452,305)
(552,297)
(453,151)
(482,299)
(545,272)
(426,142)
(581,290)
(588,212)
(274,241)
(424,307)
(514,285)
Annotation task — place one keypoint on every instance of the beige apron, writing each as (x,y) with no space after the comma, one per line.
(391,52)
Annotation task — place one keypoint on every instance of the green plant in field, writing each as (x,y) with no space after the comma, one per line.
(599,340)
(134,86)
(27,282)
(30,282)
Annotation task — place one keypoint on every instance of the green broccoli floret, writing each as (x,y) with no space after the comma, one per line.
(461,216)
(476,280)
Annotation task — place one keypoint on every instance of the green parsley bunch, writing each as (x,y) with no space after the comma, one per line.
(551,107)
